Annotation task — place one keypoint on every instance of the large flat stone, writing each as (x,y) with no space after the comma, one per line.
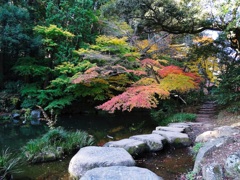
(134,147)
(120,173)
(167,128)
(91,157)
(218,132)
(176,139)
(154,141)
(208,148)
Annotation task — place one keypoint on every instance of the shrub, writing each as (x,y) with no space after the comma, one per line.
(179,117)
(55,136)
(57,142)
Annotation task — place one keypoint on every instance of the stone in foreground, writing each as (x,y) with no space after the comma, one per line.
(172,129)
(133,147)
(91,157)
(208,148)
(212,172)
(154,141)
(176,139)
(223,131)
(232,165)
(120,173)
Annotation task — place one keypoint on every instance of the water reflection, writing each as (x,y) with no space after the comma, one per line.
(168,163)
(14,137)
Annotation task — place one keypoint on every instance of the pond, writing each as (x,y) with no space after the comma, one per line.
(104,127)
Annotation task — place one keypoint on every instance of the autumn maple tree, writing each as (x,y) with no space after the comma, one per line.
(155,82)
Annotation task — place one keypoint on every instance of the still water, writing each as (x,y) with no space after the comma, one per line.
(104,127)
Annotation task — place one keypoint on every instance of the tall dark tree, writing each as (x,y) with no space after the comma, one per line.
(15,39)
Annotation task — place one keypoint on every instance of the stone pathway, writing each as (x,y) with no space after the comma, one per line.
(206,112)
(89,158)
(175,134)
(205,119)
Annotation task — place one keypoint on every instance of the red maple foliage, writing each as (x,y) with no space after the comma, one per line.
(155,82)
(147,92)
(169,70)
(138,97)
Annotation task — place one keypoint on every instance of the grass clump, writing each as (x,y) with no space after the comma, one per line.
(191,175)
(179,117)
(54,144)
(9,164)
(197,147)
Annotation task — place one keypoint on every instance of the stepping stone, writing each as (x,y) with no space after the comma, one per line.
(154,141)
(91,157)
(120,173)
(172,129)
(186,126)
(133,147)
(176,139)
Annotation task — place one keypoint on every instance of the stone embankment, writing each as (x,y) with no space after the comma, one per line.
(115,159)
(219,156)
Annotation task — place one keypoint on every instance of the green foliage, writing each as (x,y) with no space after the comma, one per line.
(52,32)
(28,66)
(197,147)
(29,92)
(13,27)
(234,107)
(55,139)
(109,45)
(55,136)
(164,118)
(227,93)
(112,45)
(191,175)
(5,119)
(59,103)
(13,86)
(9,164)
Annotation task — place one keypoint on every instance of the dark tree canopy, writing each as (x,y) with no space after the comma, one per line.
(177,16)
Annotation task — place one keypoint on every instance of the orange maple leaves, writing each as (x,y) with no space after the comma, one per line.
(147,92)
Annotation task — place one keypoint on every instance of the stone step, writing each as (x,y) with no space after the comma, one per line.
(206,112)
(207,109)
(209,102)
(203,119)
(205,115)
(208,106)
